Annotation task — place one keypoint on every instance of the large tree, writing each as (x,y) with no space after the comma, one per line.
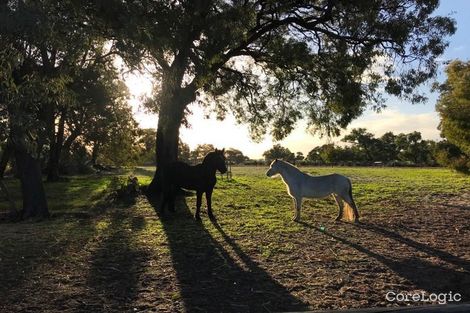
(454,105)
(271,63)
(44,44)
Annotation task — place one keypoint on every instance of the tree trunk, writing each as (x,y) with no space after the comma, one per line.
(32,188)
(173,101)
(29,173)
(55,151)
(169,122)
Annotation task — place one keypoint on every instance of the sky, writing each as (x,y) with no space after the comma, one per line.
(399,116)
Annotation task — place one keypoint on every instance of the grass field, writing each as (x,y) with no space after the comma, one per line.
(94,255)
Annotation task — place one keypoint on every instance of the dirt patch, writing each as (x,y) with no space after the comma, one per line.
(136,259)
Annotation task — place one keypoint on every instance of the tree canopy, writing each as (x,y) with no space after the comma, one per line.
(58,89)
(273,62)
(454,105)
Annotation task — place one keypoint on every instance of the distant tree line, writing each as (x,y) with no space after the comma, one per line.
(363,148)
(185,154)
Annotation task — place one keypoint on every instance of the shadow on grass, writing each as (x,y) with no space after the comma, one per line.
(26,248)
(76,193)
(210,279)
(443,255)
(456,206)
(422,273)
(116,267)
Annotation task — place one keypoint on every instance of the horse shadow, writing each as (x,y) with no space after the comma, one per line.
(423,274)
(211,279)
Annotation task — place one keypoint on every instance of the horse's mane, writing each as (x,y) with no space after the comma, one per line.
(287,165)
(208,157)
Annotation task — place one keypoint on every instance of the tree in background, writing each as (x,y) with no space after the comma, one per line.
(235,156)
(146,148)
(278,152)
(184,152)
(329,154)
(146,144)
(270,63)
(412,148)
(299,156)
(454,109)
(198,154)
(98,117)
(448,154)
(314,156)
(114,143)
(365,142)
(390,150)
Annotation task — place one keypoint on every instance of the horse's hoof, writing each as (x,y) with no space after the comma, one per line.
(338,219)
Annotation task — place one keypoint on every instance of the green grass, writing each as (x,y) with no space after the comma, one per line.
(257,201)
(76,193)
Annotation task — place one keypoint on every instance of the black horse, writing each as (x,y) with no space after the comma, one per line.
(200,178)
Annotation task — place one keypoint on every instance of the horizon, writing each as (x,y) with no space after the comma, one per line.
(399,116)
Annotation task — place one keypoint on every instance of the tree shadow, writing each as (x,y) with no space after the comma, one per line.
(210,279)
(443,255)
(423,274)
(23,258)
(456,206)
(116,267)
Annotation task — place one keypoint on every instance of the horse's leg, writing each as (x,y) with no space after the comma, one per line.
(297,206)
(340,204)
(209,204)
(198,205)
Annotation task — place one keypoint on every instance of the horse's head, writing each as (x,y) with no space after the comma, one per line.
(216,160)
(273,168)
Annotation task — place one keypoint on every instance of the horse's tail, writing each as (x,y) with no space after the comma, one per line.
(350,212)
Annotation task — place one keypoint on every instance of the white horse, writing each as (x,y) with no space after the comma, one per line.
(300,185)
